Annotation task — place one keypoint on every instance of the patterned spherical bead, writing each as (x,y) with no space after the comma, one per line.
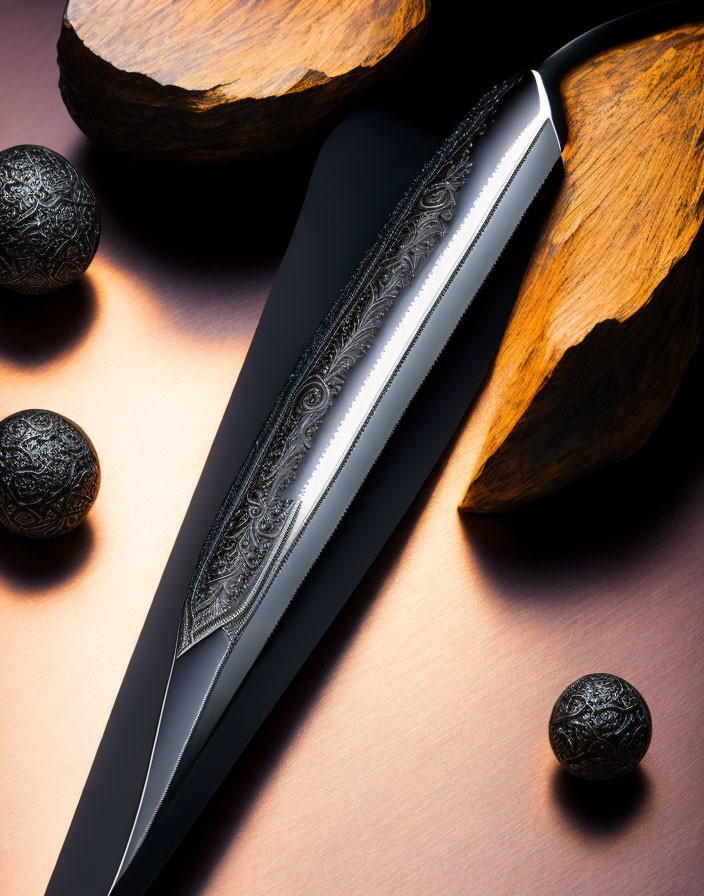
(49,221)
(600,727)
(49,474)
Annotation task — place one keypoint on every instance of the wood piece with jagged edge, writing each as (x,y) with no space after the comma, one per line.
(610,309)
(224,80)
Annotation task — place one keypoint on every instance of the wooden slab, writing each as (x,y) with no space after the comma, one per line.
(219,80)
(610,310)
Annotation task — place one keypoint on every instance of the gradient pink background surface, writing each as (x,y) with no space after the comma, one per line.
(411,755)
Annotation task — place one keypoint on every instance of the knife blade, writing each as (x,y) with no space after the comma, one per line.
(342,402)
(341,406)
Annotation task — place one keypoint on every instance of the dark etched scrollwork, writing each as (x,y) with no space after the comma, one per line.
(49,473)
(49,222)
(256,511)
(600,727)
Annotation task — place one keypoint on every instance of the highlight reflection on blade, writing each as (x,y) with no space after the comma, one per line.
(407,318)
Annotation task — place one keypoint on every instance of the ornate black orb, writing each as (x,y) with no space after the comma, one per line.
(600,727)
(49,221)
(49,473)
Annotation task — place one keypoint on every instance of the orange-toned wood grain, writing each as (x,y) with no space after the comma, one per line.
(216,80)
(610,310)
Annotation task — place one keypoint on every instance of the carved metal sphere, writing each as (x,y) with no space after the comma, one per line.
(49,473)
(600,727)
(49,221)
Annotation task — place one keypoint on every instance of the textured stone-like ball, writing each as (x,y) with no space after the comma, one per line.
(49,473)
(49,221)
(600,727)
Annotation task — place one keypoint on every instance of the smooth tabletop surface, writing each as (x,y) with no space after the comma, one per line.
(411,754)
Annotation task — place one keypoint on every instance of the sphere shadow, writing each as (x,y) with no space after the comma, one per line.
(32,564)
(601,808)
(35,329)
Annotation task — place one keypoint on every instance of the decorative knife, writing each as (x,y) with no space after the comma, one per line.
(339,407)
(348,392)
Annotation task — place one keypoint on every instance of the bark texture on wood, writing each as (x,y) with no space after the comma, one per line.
(221,80)
(610,309)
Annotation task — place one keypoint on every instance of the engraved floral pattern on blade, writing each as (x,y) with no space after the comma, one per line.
(256,511)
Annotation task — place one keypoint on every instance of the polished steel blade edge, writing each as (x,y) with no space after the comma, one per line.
(147,810)
(161,770)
